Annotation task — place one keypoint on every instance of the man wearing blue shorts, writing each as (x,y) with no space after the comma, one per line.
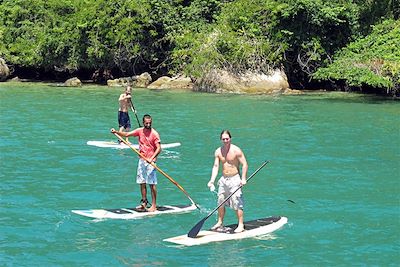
(125,103)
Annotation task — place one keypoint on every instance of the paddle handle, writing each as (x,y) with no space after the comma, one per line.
(157,168)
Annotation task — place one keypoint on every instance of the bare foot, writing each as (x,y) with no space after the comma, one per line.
(216,226)
(152,209)
(239,229)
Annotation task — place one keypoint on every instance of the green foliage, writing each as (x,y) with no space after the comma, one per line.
(373,60)
(192,36)
(264,34)
(27,20)
(238,40)
(314,30)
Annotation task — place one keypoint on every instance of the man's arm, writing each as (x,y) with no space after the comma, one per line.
(123,134)
(155,154)
(214,171)
(243,162)
(124,96)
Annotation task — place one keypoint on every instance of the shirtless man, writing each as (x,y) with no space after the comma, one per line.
(123,115)
(231,157)
(149,147)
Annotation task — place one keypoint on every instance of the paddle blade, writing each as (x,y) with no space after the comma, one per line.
(196,229)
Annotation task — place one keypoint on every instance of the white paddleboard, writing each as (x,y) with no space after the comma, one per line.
(133,213)
(111,144)
(252,229)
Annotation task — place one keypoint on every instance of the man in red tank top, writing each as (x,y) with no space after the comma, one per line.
(149,147)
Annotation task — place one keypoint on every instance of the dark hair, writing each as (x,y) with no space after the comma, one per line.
(225,132)
(146,116)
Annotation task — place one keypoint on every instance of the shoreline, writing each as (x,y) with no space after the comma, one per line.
(305,92)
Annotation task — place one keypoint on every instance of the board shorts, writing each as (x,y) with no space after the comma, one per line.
(124,120)
(226,186)
(146,173)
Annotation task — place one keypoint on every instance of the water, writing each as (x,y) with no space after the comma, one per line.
(335,155)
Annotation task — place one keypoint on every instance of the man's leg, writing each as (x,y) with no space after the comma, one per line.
(240,227)
(143,191)
(221,214)
(153,198)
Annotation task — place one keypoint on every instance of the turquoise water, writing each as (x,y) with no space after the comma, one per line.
(335,155)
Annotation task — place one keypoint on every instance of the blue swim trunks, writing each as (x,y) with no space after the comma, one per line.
(123,119)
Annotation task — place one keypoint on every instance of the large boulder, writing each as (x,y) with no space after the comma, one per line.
(177,82)
(4,70)
(121,82)
(143,80)
(73,82)
(222,81)
(159,83)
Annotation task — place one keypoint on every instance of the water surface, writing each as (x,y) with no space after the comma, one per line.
(335,155)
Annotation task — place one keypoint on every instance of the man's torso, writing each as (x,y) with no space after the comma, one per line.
(148,140)
(229,160)
(124,104)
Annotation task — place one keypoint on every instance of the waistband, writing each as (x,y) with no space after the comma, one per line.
(230,177)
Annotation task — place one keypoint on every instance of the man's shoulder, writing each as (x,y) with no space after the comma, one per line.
(154,131)
(236,148)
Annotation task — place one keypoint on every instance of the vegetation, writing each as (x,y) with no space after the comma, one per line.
(309,39)
(373,60)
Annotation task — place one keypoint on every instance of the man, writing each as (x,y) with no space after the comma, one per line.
(149,147)
(123,115)
(231,157)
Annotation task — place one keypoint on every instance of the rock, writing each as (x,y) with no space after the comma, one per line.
(16,79)
(276,82)
(121,82)
(180,82)
(4,70)
(143,80)
(222,81)
(292,92)
(177,82)
(159,83)
(73,82)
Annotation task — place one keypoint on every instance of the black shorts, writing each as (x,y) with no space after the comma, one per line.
(123,119)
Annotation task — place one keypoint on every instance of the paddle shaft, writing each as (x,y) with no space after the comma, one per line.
(157,168)
(134,111)
(196,229)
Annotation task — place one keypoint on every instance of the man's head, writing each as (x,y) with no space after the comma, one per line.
(225,136)
(128,90)
(147,121)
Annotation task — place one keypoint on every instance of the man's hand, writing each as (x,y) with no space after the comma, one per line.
(211,186)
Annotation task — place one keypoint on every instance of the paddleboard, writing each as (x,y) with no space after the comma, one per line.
(132,213)
(111,144)
(252,229)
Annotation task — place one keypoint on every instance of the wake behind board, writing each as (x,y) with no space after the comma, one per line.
(111,144)
(252,229)
(133,213)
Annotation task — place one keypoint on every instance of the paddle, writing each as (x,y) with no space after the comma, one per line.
(134,111)
(196,229)
(157,168)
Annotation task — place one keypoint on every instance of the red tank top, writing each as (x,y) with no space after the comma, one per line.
(148,140)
